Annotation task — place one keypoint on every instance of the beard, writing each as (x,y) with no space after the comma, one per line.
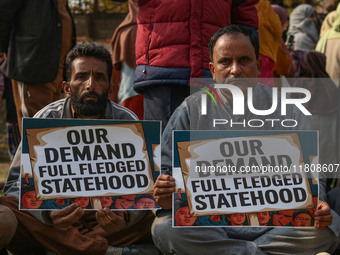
(89,108)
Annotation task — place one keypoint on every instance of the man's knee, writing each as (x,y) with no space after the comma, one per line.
(163,234)
(8,222)
(160,228)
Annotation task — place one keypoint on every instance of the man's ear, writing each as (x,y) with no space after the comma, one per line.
(67,88)
(259,65)
(212,69)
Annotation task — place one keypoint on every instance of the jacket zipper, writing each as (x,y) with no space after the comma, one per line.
(147,52)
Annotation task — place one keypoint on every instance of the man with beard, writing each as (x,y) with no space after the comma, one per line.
(72,230)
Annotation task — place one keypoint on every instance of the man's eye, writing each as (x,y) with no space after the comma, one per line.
(225,62)
(101,77)
(244,61)
(80,76)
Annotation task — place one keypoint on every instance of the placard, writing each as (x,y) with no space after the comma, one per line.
(75,160)
(248,174)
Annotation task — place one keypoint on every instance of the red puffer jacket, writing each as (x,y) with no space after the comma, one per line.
(173,37)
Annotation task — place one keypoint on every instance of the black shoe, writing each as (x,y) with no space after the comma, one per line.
(141,249)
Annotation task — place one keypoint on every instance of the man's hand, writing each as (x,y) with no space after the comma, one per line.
(323,216)
(163,189)
(67,216)
(111,222)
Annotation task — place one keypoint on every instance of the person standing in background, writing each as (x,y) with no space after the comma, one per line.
(327,23)
(303,26)
(270,32)
(329,44)
(322,105)
(12,128)
(284,65)
(124,61)
(172,47)
(35,36)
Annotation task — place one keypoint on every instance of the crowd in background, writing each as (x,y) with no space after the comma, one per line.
(299,47)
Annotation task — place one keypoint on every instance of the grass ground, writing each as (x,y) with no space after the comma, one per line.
(4,167)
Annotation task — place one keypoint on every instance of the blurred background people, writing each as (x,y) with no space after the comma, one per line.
(13,137)
(329,44)
(303,26)
(124,62)
(327,23)
(284,66)
(322,105)
(270,32)
(36,36)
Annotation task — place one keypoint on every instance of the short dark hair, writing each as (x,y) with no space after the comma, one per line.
(231,30)
(88,50)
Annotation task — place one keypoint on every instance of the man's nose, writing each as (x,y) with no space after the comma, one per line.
(235,69)
(90,83)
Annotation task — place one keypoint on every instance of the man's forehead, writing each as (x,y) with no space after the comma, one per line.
(234,46)
(87,63)
(238,37)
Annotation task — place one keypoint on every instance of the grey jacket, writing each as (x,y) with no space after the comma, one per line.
(188,117)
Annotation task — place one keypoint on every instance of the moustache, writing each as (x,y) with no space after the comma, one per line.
(237,81)
(88,94)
